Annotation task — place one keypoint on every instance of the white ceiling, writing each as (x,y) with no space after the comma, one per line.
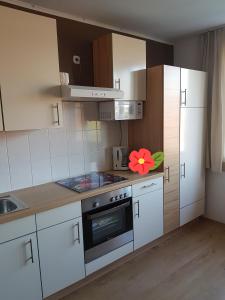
(165,19)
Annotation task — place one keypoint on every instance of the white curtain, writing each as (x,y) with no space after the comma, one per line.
(214,63)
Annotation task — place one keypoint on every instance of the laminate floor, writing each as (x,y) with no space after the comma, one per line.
(189,265)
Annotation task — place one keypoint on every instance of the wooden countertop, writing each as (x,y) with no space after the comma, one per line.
(51,195)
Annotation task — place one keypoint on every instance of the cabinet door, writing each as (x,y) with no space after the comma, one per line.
(129,66)
(148,218)
(29,73)
(20,275)
(171,147)
(1,119)
(192,155)
(61,255)
(193,88)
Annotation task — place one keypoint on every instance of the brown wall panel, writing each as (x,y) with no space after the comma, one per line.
(75,38)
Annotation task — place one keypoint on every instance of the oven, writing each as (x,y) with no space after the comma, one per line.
(107,222)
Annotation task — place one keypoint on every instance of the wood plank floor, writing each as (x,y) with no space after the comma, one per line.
(189,265)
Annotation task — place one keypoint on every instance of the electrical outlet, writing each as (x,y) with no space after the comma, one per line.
(76,59)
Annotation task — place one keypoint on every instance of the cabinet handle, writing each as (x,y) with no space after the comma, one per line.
(137,214)
(167,174)
(183,167)
(148,186)
(56,107)
(117,83)
(31,251)
(77,239)
(185,97)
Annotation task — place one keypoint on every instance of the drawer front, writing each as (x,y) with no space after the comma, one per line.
(17,228)
(192,211)
(58,215)
(147,186)
(107,259)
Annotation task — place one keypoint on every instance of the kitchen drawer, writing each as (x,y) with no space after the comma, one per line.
(147,186)
(108,258)
(17,228)
(191,212)
(58,215)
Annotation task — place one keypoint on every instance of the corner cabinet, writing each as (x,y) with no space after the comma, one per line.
(120,62)
(29,73)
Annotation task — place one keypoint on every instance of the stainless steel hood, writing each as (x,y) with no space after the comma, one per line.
(86,93)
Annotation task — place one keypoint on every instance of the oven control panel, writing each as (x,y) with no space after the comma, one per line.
(105,199)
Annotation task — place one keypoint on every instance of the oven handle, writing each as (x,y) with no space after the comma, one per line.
(102,213)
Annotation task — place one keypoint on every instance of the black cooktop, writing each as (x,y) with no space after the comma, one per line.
(90,181)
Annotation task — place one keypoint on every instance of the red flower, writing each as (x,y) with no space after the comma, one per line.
(141,161)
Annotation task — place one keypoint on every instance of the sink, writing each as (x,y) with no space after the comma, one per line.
(10,203)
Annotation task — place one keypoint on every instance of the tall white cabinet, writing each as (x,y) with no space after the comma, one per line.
(175,118)
(192,144)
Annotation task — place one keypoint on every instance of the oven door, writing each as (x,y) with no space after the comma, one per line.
(107,228)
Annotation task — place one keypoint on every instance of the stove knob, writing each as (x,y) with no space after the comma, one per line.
(96,204)
(112,199)
(121,196)
(116,198)
(125,195)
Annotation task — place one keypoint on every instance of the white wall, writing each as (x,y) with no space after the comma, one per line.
(35,157)
(187,54)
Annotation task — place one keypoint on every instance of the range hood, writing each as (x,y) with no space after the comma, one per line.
(86,93)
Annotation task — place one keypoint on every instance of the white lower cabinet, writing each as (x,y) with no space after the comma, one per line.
(107,259)
(192,211)
(61,255)
(19,269)
(148,217)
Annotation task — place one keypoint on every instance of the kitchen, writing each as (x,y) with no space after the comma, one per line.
(77,97)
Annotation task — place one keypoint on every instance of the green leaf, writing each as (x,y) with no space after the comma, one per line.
(158,158)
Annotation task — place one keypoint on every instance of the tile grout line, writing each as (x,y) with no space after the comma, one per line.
(50,154)
(31,167)
(9,167)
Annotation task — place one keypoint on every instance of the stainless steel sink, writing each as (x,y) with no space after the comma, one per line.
(10,203)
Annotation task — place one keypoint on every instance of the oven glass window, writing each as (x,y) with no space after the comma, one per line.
(107,226)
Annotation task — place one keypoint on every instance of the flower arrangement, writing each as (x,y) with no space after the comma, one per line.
(143,161)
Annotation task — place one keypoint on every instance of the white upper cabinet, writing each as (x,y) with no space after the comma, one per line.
(193,88)
(120,62)
(129,66)
(192,155)
(29,73)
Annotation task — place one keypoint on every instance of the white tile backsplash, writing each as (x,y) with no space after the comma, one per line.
(39,145)
(60,167)
(5,183)
(20,173)
(41,171)
(83,145)
(18,147)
